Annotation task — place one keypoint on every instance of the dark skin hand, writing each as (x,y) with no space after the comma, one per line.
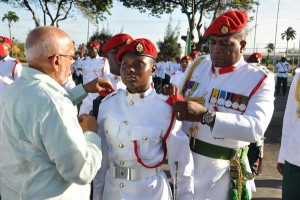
(98,85)
(280,168)
(88,123)
(169,89)
(188,111)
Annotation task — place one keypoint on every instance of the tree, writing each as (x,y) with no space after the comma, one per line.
(290,33)
(59,10)
(169,45)
(101,37)
(270,48)
(10,17)
(190,8)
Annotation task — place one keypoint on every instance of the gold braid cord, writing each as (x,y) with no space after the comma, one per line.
(236,175)
(193,130)
(297,98)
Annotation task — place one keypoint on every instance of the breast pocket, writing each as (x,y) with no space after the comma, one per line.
(111,130)
(149,141)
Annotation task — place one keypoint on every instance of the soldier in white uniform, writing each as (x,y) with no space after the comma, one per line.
(288,159)
(282,68)
(93,65)
(112,46)
(178,76)
(10,68)
(229,104)
(139,128)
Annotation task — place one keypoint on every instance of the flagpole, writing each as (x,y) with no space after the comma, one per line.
(276,35)
(255,28)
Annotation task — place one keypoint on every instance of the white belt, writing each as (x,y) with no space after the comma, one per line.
(132,174)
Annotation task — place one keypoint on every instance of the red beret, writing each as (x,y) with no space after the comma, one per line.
(186,58)
(194,52)
(141,47)
(254,55)
(1,50)
(6,40)
(228,23)
(119,39)
(93,44)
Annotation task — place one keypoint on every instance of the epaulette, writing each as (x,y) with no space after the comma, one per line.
(111,94)
(262,68)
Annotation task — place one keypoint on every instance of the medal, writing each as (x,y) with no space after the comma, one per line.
(221,102)
(228,103)
(242,107)
(235,105)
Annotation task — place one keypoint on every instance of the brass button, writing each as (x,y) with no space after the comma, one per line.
(127,93)
(121,145)
(142,95)
(121,185)
(131,103)
(145,138)
(122,162)
(125,122)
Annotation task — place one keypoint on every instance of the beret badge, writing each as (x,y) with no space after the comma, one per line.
(224,30)
(127,41)
(139,47)
(1,39)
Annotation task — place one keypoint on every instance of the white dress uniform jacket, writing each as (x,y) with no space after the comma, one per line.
(46,155)
(245,83)
(282,69)
(290,141)
(144,118)
(167,67)
(87,103)
(93,68)
(177,78)
(10,70)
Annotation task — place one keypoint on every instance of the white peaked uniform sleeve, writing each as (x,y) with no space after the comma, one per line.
(18,70)
(289,114)
(106,67)
(179,150)
(77,156)
(250,126)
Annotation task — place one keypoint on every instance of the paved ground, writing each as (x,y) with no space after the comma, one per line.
(269,183)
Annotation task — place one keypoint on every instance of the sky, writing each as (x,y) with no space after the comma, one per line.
(143,25)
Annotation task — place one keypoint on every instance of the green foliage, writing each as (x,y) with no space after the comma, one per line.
(101,37)
(92,9)
(290,33)
(169,45)
(10,16)
(190,8)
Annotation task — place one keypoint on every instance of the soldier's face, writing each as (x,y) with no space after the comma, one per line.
(225,51)
(112,60)
(93,51)
(136,72)
(184,64)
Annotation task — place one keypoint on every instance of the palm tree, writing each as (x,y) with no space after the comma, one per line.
(290,33)
(10,16)
(270,47)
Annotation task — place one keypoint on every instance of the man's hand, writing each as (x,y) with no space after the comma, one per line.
(169,89)
(88,123)
(189,111)
(280,168)
(100,85)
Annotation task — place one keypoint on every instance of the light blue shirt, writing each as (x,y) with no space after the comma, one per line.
(43,151)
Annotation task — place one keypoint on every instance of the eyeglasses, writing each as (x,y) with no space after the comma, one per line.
(71,57)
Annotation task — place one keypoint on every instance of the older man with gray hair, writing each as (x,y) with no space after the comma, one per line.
(46,152)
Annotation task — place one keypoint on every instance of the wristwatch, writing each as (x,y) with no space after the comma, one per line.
(208,117)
